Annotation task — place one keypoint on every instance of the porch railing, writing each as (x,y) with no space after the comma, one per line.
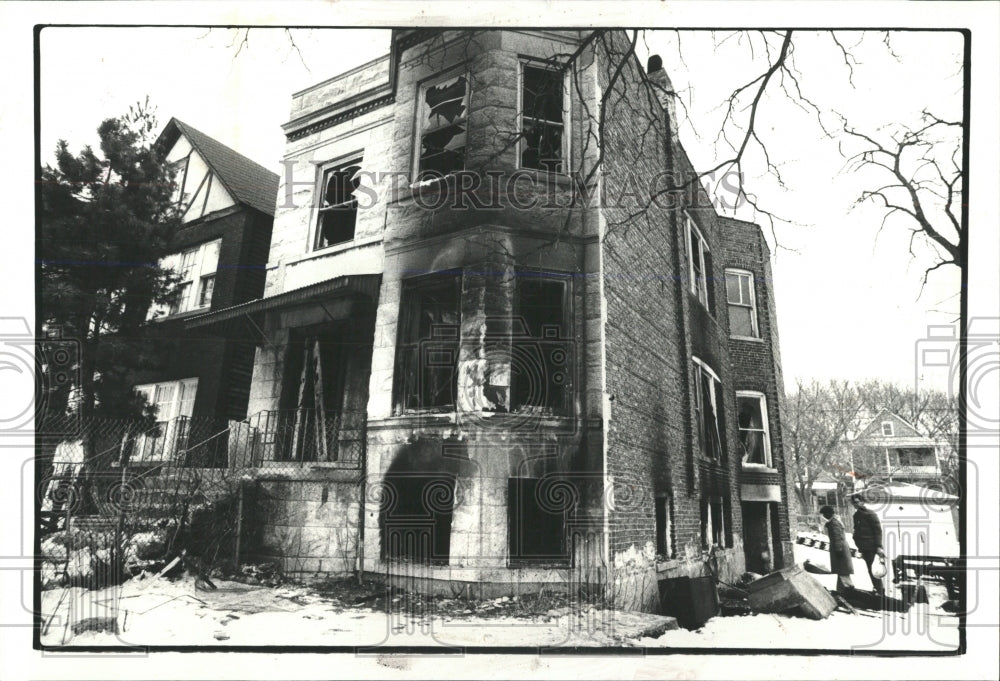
(306,435)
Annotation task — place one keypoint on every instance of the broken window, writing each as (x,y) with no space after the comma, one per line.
(542,110)
(754,436)
(699,262)
(416,517)
(428,343)
(536,520)
(887,428)
(442,113)
(338,209)
(742,310)
(708,404)
(713,523)
(196,268)
(664,527)
(540,354)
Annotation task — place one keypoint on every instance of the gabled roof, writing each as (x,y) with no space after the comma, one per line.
(248,182)
(904,434)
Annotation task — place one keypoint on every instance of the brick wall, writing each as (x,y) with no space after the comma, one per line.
(655,325)
(756,364)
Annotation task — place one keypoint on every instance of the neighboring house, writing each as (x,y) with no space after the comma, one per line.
(888,449)
(498,395)
(227,202)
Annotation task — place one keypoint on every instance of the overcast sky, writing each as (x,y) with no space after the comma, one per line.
(848,304)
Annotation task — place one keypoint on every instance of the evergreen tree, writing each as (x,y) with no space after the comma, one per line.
(106,221)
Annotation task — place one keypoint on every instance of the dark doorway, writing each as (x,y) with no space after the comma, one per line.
(415,517)
(756,540)
(312,394)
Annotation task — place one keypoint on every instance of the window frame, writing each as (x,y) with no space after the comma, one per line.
(892,429)
(698,285)
(399,399)
(541,64)
(754,326)
(190,287)
(419,128)
(701,367)
(765,428)
(330,168)
(565,326)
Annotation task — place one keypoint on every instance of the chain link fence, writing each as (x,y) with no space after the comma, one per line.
(176,493)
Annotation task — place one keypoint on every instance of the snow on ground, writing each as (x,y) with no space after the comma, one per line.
(922,628)
(178,613)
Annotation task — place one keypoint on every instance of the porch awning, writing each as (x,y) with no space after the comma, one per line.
(248,318)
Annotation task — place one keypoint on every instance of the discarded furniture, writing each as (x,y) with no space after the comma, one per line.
(692,601)
(791,589)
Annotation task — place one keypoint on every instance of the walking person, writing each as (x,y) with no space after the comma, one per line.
(868,538)
(840,553)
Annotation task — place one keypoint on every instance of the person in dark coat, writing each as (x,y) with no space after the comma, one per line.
(840,553)
(868,538)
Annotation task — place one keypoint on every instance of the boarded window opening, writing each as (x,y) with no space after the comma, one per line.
(540,354)
(415,519)
(427,351)
(536,518)
(664,527)
(338,212)
(442,113)
(542,119)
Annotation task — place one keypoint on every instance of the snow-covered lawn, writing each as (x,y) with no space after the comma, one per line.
(178,613)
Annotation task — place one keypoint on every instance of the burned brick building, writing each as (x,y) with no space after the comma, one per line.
(477,365)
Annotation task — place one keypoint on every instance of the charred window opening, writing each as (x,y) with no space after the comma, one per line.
(338,212)
(542,109)
(754,436)
(428,346)
(540,353)
(536,520)
(708,406)
(664,527)
(442,117)
(713,523)
(699,263)
(416,516)
(306,427)
(742,308)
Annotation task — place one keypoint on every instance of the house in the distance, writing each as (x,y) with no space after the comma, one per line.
(890,450)
(515,389)
(227,202)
